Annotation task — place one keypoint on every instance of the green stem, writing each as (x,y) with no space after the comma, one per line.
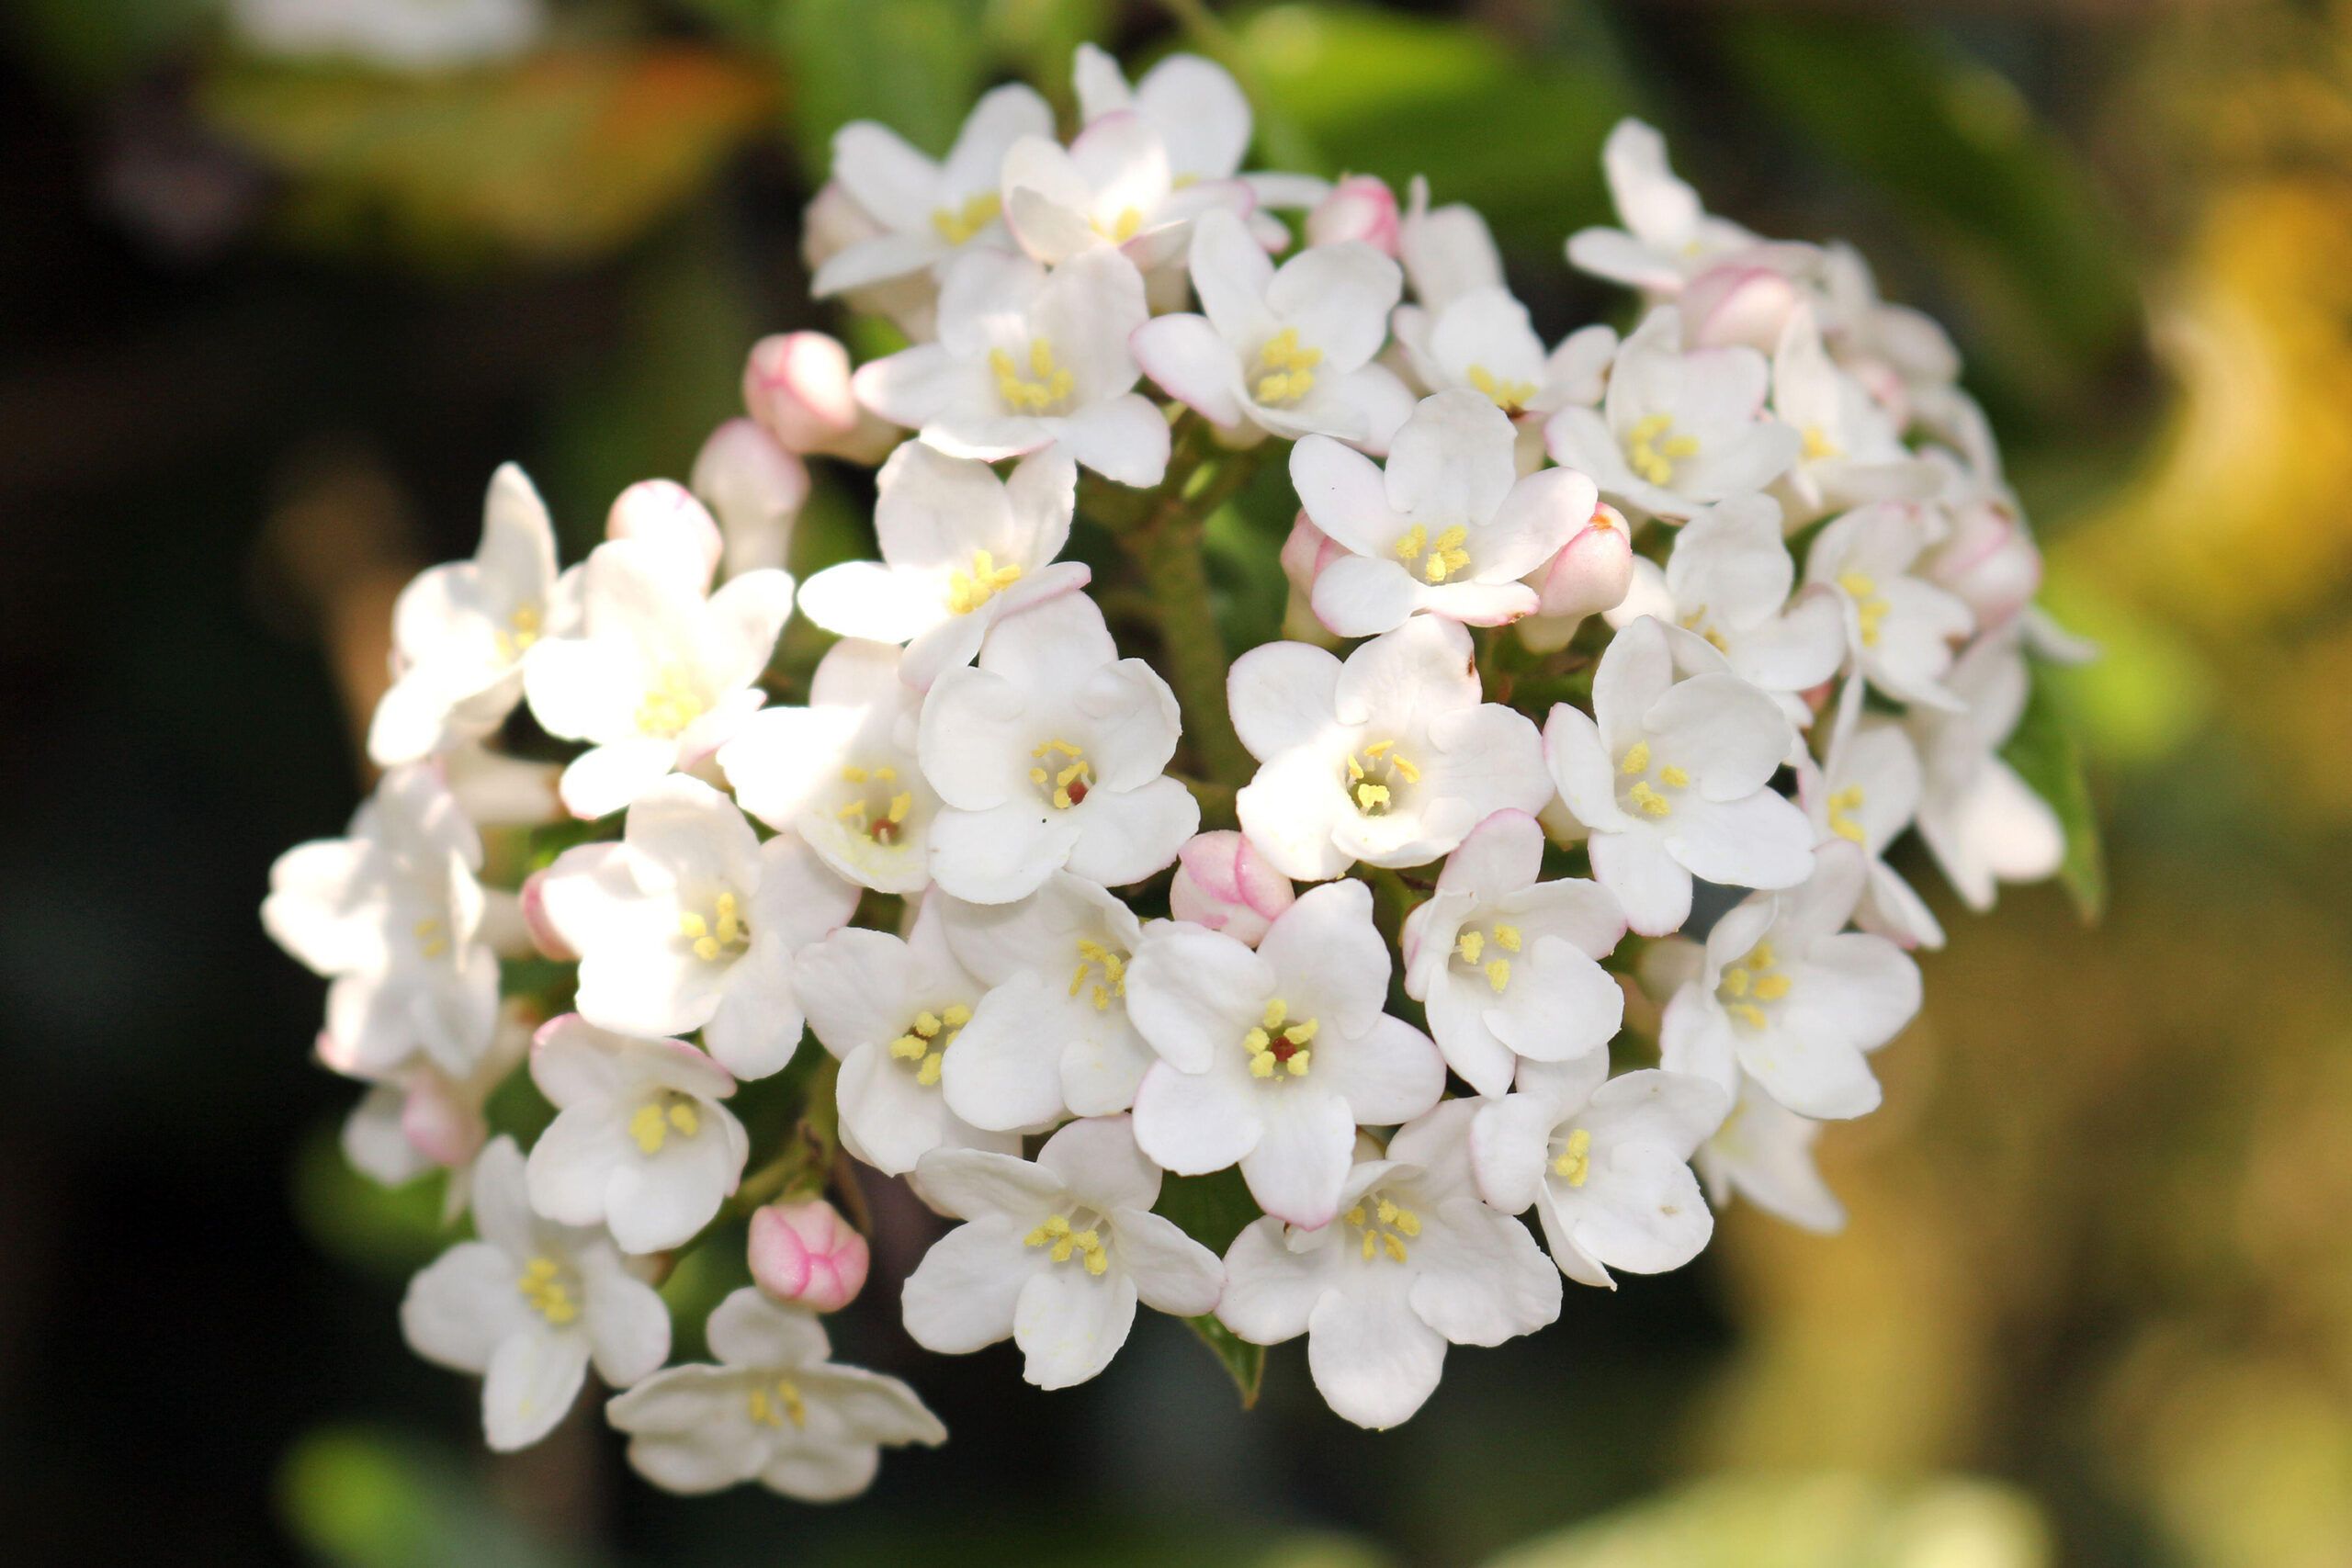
(1166,548)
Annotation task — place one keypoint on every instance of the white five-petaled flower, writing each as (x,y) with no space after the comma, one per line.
(690,922)
(1509,966)
(1414,1261)
(1722,599)
(1482,341)
(892,1011)
(1111,188)
(657,676)
(1448,252)
(960,547)
(1027,359)
(1202,117)
(841,773)
(419,1118)
(1053,1033)
(1050,753)
(528,1305)
(460,631)
(1678,428)
(1668,235)
(1288,351)
(1852,452)
(925,212)
(393,915)
(1790,996)
(640,1143)
(1054,1255)
(773,1410)
(1901,627)
(1865,790)
(1763,1152)
(1271,1059)
(1672,775)
(1982,821)
(1604,1161)
(1448,529)
(1390,757)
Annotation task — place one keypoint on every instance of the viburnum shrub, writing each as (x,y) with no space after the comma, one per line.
(1582,635)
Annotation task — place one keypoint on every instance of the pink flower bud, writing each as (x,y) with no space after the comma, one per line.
(756,488)
(807,1252)
(544,935)
(797,386)
(1738,304)
(1224,884)
(1360,207)
(1592,571)
(1307,552)
(1989,561)
(664,514)
(441,1123)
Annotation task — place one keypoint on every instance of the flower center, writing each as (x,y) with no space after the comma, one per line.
(1067,1241)
(1652,453)
(1817,444)
(968,591)
(1843,804)
(1285,372)
(1573,1164)
(879,807)
(670,702)
(958,224)
(1698,621)
(1750,983)
(522,629)
(926,1043)
(717,934)
(1386,1226)
(1634,772)
(431,937)
(1063,772)
(1471,949)
(1092,957)
(1509,396)
(1122,229)
(666,1113)
(1045,389)
(1437,558)
(1868,601)
(546,1293)
(1279,1045)
(1376,772)
(773,1404)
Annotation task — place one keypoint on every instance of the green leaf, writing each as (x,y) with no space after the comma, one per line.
(1213,1210)
(1246,1362)
(387,1232)
(915,65)
(2048,756)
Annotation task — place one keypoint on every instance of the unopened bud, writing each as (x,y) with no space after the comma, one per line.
(1988,560)
(798,386)
(755,487)
(664,514)
(1738,305)
(1360,207)
(1592,571)
(1223,883)
(807,1253)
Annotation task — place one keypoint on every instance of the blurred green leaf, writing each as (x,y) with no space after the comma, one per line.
(2047,754)
(371,1500)
(388,1232)
(1245,1361)
(915,65)
(91,43)
(1213,1210)
(563,154)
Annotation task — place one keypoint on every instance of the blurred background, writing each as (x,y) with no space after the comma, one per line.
(284,279)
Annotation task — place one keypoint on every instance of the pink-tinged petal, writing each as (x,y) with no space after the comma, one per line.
(1172,1272)
(1344,493)
(961,1296)
(1453,461)
(1503,854)
(531,1382)
(915,386)
(665,515)
(1070,1323)
(1490,1282)
(1126,836)
(1291,809)
(1001,853)
(1223,884)
(1192,993)
(1361,208)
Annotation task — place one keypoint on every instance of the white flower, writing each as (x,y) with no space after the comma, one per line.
(1866,791)
(773,1409)
(1052,1034)
(1448,252)
(1793,998)
(640,1142)
(658,676)
(892,1011)
(1982,822)
(528,1305)
(1722,599)
(1202,117)
(1668,235)
(960,549)
(690,922)
(1287,352)
(1852,452)
(1878,340)
(754,486)
(419,1118)
(1390,758)
(841,773)
(1509,966)
(1763,1152)
(1026,359)
(1054,1255)
(1448,529)
(393,915)
(1482,340)
(460,631)
(1271,1059)
(1901,627)
(1050,753)
(1673,774)
(925,212)
(1416,1262)
(1111,189)
(1605,1162)
(1678,429)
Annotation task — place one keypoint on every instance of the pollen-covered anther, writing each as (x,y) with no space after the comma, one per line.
(659,1117)
(522,629)
(1386,1226)
(1509,396)
(1285,372)
(720,933)
(1870,604)
(1843,804)
(1435,559)
(669,704)
(1755,979)
(968,591)
(959,225)
(1374,773)
(1279,1045)
(1471,948)
(545,1292)
(1652,453)
(1044,388)
(1639,765)
(926,1043)
(1062,772)
(1573,1164)
(1065,1242)
(880,809)
(773,1404)
(431,938)
(1093,956)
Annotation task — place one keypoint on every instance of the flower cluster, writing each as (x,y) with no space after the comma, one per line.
(1584,635)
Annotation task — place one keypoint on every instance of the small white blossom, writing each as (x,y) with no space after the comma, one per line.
(1901,627)
(1866,791)
(1668,235)
(1763,1152)
(773,1410)
(1983,824)
(1852,452)
(1054,1255)
(1414,1261)
(1203,117)
(528,1305)
(1448,252)
(1482,341)
(1111,188)
(419,1118)
(1271,1059)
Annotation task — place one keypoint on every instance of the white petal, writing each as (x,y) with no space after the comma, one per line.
(1373,1359)
(534,1376)
(1070,1323)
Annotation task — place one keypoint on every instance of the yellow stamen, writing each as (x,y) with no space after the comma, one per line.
(1285,372)
(1842,806)
(1045,389)
(1509,396)
(957,225)
(1574,1162)
(968,591)
(1637,758)
(543,1288)
(1869,606)
(1653,457)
